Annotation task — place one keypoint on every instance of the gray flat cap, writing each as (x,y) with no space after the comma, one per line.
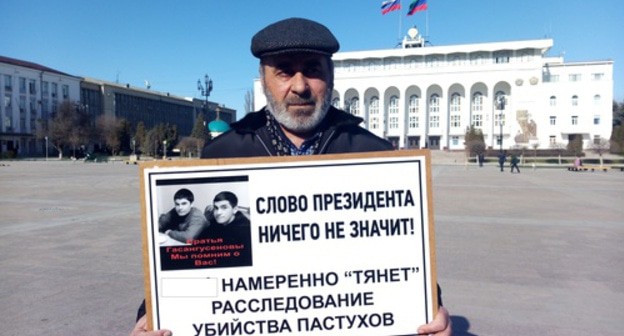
(294,35)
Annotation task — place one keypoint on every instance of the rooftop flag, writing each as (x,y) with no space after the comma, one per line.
(416,6)
(390,5)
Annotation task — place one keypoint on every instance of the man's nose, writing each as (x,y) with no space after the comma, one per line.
(299,83)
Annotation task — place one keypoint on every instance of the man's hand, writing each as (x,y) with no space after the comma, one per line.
(140,329)
(440,326)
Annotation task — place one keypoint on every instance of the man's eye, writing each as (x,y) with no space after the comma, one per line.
(284,74)
(313,72)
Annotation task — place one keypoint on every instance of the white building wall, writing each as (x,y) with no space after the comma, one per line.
(517,69)
(27,95)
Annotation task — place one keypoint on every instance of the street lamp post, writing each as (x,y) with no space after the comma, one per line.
(501,108)
(204,91)
(46,149)
(164,149)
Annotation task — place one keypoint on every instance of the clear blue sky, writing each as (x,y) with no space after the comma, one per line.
(172,44)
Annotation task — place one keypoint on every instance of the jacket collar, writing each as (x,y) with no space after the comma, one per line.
(334,119)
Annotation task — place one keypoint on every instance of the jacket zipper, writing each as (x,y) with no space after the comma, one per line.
(263,144)
(326,142)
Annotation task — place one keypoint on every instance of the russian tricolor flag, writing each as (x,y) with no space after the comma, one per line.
(390,5)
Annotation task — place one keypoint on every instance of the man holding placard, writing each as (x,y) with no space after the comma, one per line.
(297,76)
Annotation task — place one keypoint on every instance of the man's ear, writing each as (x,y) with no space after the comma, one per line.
(235,209)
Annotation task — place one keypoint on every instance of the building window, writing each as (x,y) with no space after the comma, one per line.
(455,140)
(553,101)
(499,119)
(393,113)
(22,104)
(413,121)
(501,57)
(22,85)
(574,77)
(574,120)
(552,140)
(65,89)
(32,87)
(413,104)
(455,110)
(596,120)
(8,83)
(455,120)
(478,58)
(597,139)
(433,61)
(373,112)
(597,100)
(455,103)
(526,56)
(553,78)
(575,100)
(500,102)
(434,121)
(434,103)
(477,110)
(336,103)
(413,111)
(597,76)
(54,90)
(354,106)
(434,110)
(499,140)
(7,102)
(45,88)
(477,102)
(553,120)
(477,120)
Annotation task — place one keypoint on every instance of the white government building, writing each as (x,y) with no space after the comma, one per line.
(427,96)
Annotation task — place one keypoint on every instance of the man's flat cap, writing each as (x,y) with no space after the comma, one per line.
(294,35)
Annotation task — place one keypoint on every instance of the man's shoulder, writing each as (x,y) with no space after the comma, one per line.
(196,213)
(351,137)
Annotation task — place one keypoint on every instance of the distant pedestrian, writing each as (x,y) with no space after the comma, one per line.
(514,163)
(481,158)
(501,161)
(578,162)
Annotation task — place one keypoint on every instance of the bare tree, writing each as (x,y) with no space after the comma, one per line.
(600,146)
(534,145)
(559,147)
(199,133)
(139,136)
(70,125)
(188,145)
(110,131)
(249,98)
(475,144)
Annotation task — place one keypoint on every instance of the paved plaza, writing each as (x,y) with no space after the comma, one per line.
(535,253)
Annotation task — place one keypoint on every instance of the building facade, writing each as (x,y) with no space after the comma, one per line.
(148,106)
(30,92)
(428,96)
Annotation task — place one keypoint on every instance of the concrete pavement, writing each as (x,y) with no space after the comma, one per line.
(540,252)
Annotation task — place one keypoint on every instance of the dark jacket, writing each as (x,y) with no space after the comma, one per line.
(250,137)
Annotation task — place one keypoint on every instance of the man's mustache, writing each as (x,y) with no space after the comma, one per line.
(300,101)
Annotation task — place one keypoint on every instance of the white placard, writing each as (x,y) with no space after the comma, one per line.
(338,245)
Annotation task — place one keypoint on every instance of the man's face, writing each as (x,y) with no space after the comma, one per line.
(298,89)
(224,212)
(182,206)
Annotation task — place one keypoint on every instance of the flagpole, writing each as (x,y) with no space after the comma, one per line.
(400,23)
(426,26)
